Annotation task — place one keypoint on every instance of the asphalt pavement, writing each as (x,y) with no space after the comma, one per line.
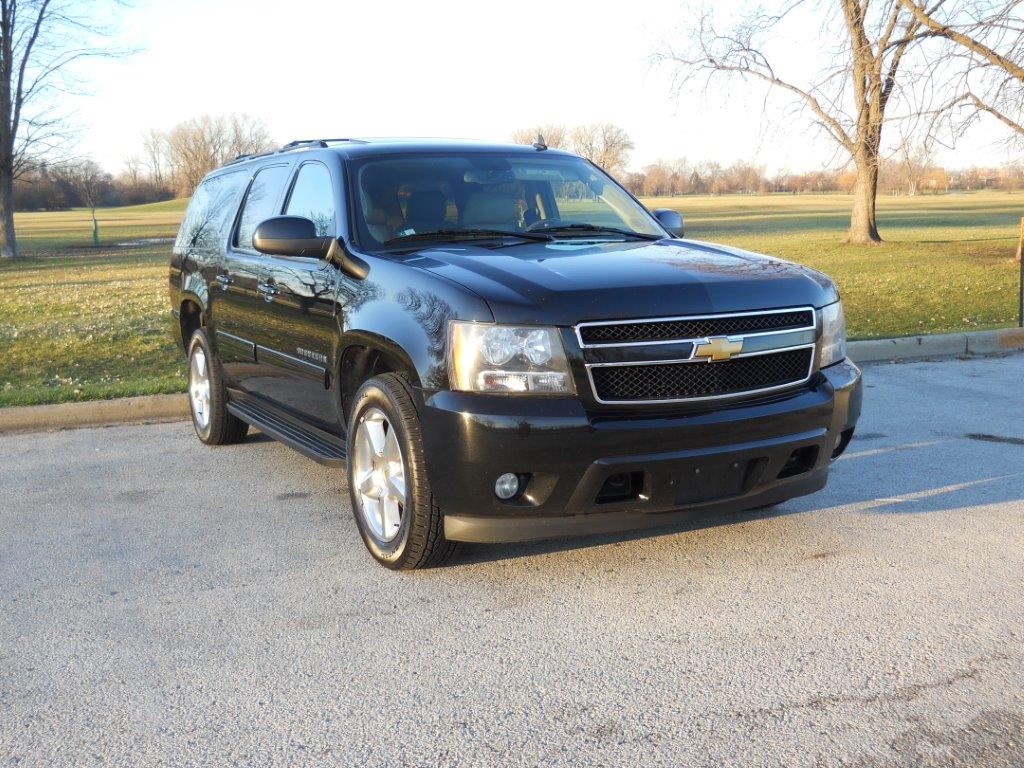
(164,603)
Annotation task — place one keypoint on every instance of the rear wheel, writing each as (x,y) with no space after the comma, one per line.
(207,396)
(387,476)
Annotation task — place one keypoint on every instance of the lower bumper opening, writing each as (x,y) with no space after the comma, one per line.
(800,461)
(519,527)
(620,487)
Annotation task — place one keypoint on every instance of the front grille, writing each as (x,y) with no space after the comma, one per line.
(694,327)
(681,381)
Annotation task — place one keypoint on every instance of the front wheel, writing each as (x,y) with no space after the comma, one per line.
(387,477)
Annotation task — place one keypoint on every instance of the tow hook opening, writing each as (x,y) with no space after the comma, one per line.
(801,460)
(624,486)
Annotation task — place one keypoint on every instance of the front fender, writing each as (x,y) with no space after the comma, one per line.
(405,312)
(194,288)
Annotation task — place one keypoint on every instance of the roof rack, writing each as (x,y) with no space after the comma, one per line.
(291,146)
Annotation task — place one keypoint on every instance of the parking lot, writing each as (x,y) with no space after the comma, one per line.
(164,603)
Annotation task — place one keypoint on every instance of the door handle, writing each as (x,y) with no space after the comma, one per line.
(223,281)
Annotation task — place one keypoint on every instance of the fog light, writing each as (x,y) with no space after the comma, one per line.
(506,486)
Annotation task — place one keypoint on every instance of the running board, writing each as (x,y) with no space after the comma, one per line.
(312,443)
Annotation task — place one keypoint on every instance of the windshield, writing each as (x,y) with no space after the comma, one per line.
(409,198)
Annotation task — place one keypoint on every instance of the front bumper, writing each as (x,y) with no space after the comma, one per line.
(732,458)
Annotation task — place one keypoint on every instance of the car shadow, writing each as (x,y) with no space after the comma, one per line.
(470,554)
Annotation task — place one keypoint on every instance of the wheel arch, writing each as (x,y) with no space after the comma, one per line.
(365,354)
(191,317)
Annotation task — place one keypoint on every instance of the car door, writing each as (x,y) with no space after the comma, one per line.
(299,322)
(201,241)
(240,306)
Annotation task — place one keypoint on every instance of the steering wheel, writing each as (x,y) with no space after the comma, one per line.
(543,224)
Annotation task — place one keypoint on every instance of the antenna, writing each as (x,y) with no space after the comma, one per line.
(539,143)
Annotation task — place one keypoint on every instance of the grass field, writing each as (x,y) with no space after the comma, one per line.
(78,322)
(45,233)
(947,263)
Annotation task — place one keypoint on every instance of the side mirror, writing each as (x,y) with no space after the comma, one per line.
(290,236)
(670,220)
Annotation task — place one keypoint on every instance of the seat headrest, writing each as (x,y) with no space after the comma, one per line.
(490,209)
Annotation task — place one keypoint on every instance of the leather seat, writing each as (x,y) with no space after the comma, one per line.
(491,210)
(377,223)
(425,210)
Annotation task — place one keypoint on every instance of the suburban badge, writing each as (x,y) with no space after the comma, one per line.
(309,354)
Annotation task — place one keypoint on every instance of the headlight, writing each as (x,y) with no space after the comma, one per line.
(833,334)
(508,358)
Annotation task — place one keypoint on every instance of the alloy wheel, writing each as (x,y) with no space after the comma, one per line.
(378,473)
(199,387)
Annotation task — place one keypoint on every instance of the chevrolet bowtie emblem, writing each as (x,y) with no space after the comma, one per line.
(717,348)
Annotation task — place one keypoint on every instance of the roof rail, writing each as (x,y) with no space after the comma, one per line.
(303,143)
(240,158)
(291,146)
(317,143)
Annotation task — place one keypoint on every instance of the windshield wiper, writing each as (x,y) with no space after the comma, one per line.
(598,229)
(468,234)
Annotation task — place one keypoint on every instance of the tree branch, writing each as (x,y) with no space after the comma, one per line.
(925,18)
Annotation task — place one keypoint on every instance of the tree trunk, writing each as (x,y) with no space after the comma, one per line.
(863,226)
(8,242)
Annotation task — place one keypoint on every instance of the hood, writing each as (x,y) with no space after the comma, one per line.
(564,283)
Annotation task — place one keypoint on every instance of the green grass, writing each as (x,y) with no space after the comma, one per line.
(86,327)
(43,233)
(79,323)
(947,263)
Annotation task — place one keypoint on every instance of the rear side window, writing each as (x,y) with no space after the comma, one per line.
(264,192)
(312,196)
(210,213)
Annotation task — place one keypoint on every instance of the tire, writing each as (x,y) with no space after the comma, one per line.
(208,398)
(402,531)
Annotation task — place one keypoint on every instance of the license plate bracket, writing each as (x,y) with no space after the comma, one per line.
(705,481)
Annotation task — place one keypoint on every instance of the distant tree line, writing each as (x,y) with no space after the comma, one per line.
(606,144)
(909,170)
(170,164)
(896,177)
(55,187)
(163,173)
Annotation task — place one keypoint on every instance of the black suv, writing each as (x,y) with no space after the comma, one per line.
(501,343)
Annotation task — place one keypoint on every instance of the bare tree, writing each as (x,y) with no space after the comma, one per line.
(197,146)
(133,169)
(555,135)
(916,160)
(90,181)
(605,144)
(154,146)
(850,101)
(987,38)
(40,41)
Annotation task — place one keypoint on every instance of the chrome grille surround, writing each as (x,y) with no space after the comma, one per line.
(669,330)
(759,343)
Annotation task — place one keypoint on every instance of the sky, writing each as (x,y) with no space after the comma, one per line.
(454,69)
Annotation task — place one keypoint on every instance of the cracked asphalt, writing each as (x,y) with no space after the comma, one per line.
(164,603)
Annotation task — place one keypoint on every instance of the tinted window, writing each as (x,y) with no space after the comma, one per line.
(312,196)
(399,197)
(210,213)
(260,202)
